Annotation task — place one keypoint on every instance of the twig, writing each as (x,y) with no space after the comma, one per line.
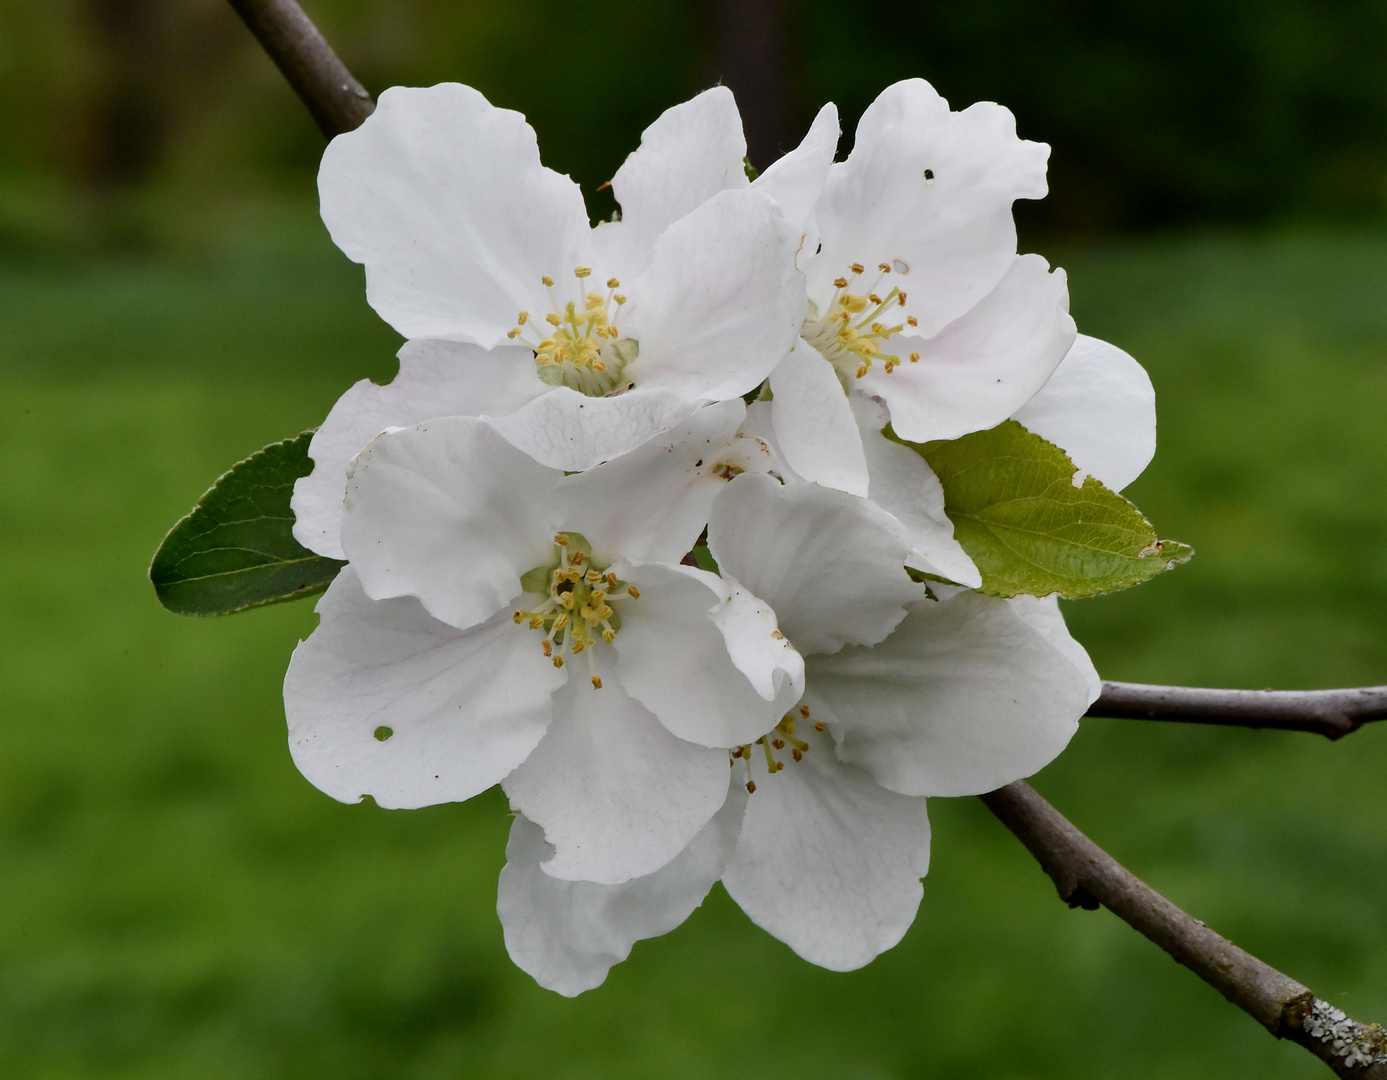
(337,101)
(1087,876)
(1331,713)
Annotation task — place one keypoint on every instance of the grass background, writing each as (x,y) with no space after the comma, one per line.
(176,901)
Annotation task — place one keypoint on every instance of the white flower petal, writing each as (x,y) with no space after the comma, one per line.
(450,512)
(964,697)
(442,196)
(687,156)
(1043,612)
(979,370)
(1099,406)
(384,700)
(569,934)
(814,426)
(797,180)
(828,564)
(571,431)
(932,190)
(905,487)
(721,302)
(436,378)
(829,862)
(618,796)
(760,426)
(704,655)
(651,504)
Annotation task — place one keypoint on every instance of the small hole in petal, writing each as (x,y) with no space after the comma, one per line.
(382,733)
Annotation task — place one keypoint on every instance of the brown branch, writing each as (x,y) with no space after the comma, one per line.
(337,101)
(1331,713)
(1087,876)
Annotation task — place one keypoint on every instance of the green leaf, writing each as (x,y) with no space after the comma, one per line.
(1016,512)
(236,550)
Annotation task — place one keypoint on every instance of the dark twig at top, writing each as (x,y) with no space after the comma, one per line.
(1087,876)
(1331,713)
(337,101)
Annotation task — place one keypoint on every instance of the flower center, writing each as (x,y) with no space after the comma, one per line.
(852,334)
(583,349)
(577,610)
(777,738)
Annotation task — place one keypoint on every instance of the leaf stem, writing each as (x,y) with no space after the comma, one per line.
(1331,713)
(1087,876)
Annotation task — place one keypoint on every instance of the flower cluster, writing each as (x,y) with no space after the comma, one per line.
(629,535)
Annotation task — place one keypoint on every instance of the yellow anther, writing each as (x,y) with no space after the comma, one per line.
(620,299)
(562,620)
(910,320)
(818,725)
(890,366)
(885,268)
(547,646)
(840,283)
(582,271)
(593,576)
(548,281)
(577,560)
(874,298)
(553,319)
(597,682)
(611,580)
(524,318)
(797,754)
(856,268)
(779,744)
(751,787)
(612,283)
(537,623)
(900,299)
(558,661)
(513,333)
(862,371)
(597,365)
(633,592)
(609,635)
(518,617)
(804,712)
(561,539)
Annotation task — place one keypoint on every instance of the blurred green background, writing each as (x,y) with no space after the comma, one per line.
(175,901)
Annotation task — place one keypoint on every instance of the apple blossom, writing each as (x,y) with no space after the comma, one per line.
(905,697)
(501,621)
(624,329)
(916,293)
(711,299)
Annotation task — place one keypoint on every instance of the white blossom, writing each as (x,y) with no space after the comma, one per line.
(503,622)
(580,343)
(905,697)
